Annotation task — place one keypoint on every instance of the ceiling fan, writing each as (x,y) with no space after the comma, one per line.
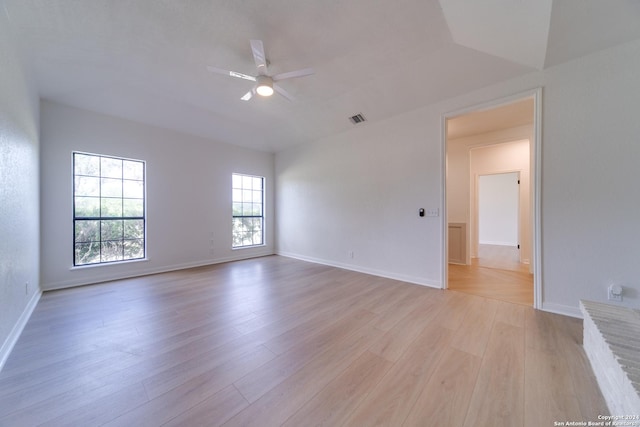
(265,83)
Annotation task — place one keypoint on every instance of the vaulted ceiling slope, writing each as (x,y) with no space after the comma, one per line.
(146,60)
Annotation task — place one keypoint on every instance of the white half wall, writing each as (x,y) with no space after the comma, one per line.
(19,199)
(188,194)
(359,191)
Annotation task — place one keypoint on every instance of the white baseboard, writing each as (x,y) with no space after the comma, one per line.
(565,310)
(359,269)
(145,272)
(11,340)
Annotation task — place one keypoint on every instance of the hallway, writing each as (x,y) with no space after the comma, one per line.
(496,273)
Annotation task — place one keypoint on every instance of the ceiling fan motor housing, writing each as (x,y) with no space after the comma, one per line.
(264,86)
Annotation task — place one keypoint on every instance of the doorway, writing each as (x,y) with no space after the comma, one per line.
(498,219)
(491,153)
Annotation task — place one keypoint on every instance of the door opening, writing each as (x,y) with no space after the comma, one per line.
(483,146)
(499,222)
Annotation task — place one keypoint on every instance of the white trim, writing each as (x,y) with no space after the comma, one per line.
(536,256)
(380,273)
(146,272)
(445,215)
(12,339)
(565,310)
(536,94)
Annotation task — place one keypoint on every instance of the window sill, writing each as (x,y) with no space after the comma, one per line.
(105,264)
(239,248)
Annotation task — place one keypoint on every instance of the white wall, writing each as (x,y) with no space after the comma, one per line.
(19,223)
(360,190)
(188,194)
(498,200)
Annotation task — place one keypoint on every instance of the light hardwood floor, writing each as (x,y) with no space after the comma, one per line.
(275,341)
(497,273)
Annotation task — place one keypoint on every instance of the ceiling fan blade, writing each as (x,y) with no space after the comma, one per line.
(247,96)
(230,73)
(283,92)
(258,55)
(293,74)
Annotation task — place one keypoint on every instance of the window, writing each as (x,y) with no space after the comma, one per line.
(108,209)
(248,212)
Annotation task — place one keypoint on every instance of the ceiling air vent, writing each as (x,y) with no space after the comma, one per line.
(358,118)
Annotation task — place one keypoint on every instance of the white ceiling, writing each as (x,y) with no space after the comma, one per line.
(145,60)
(517,113)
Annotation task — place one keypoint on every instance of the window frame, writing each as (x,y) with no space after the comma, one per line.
(100,218)
(261,217)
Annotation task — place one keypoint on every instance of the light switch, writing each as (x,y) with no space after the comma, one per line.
(433,212)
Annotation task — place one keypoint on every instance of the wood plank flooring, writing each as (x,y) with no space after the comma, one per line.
(497,273)
(275,341)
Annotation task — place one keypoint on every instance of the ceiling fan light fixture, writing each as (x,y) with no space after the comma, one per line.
(265,86)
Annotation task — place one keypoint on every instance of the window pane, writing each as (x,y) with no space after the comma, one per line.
(237,231)
(247,198)
(108,189)
(236,181)
(111,207)
(87,207)
(251,227)
(133,170)
(86,186)
(112,230)
(110,168)
(87,253)
(111,251)
(132,189)
(133,207)
(111,187)
(86,165)
(133,249)
(133,229)
(87,231)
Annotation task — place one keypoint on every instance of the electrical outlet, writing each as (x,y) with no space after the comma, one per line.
(350,254)
(614,293)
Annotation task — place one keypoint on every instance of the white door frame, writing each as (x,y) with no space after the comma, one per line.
(536,178)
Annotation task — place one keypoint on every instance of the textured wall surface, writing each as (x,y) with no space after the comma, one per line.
(19,199)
